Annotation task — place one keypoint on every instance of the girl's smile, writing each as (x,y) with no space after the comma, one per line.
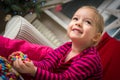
(77,30)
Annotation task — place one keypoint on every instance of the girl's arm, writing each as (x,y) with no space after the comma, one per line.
(78,70)
(81,68)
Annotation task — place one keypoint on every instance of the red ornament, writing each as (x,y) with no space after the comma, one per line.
(58,8)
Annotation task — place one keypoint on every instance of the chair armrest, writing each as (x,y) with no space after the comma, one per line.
(19,28)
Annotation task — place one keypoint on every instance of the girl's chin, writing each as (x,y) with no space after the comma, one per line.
(73,37)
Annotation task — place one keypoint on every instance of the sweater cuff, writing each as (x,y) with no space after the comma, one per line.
(35,77)
(35,62)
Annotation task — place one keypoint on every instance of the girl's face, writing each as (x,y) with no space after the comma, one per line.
(82,26)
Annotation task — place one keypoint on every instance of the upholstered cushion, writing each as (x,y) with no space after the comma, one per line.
(109,50)
(19,28)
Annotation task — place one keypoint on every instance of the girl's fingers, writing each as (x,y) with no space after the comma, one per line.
(28,63)
(31,68)
(19,65)
(24,67)
(15,63)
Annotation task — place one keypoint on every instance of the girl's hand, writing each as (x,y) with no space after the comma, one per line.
(25,67)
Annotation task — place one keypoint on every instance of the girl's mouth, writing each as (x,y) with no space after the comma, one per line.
(77,30)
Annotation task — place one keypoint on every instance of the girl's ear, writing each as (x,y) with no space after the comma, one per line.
(96,38)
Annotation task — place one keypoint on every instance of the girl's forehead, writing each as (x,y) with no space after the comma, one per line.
(85,11)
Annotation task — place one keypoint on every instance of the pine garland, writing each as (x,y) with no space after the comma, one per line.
(21,7)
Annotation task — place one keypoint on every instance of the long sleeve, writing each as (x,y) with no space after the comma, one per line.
(34,51)
(79,68)
(53,57)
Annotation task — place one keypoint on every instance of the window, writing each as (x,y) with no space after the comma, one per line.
(70,7)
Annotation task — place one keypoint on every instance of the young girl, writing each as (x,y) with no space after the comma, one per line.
(75,60)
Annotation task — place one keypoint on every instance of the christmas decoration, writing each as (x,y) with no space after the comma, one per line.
(21,7)
(58,8)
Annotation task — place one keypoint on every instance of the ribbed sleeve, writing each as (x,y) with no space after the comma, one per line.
(86,65)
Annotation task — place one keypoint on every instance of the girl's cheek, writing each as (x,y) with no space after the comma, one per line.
(70,25)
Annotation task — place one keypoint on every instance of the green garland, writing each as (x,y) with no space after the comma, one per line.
(21,7)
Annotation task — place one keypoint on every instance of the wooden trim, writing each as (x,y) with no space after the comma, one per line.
(55,18)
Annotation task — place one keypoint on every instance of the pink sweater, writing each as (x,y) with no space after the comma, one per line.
(50,63)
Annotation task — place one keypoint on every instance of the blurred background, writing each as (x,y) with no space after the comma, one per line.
(56,14)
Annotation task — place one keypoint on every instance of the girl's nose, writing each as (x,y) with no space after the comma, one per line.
(79,23)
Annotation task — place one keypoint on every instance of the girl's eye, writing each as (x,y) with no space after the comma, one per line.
(88,22)
(74,18)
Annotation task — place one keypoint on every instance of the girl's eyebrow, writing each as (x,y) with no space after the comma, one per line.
(86,17)
(89,18)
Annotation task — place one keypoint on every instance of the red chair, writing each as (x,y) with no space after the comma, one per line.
(109,50)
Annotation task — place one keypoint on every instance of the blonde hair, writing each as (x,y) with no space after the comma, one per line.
(99,18)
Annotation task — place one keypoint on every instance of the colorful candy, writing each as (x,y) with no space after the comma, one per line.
(7,72)
(18,55)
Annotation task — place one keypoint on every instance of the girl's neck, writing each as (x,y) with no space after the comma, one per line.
(77,48)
